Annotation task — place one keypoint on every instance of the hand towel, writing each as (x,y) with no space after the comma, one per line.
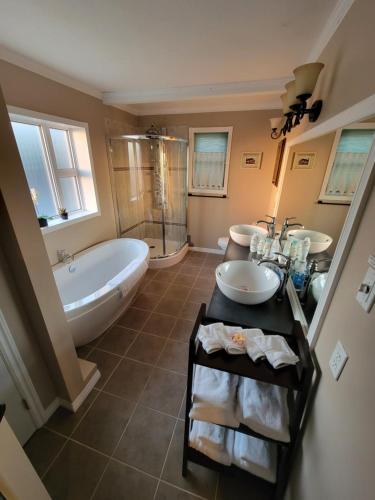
(214,441)
(263,408)
(209,337)
(252,348)
(214,396)
(277,350)
(255,455)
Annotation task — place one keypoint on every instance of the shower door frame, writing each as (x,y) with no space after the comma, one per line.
(162,139)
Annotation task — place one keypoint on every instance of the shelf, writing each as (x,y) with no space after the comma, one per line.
(264,489)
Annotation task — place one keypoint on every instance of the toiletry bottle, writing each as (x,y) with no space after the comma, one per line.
(305,248)
(275,247)
(260,248)
(286,248)
(267,248)
(254,242)
(299,274)
(293,250)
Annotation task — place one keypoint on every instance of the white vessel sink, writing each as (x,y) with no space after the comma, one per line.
(319,241)
(317,285)
(246,282)
(242,233)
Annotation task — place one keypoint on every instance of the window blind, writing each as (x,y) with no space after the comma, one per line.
(351,156)
(210,151)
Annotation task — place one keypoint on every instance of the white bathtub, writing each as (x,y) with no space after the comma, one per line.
(99,285)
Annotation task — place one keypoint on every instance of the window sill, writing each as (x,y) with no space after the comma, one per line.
(58,223)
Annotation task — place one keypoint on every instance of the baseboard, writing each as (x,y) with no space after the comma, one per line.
(74,405)
(50,410)
(207,250)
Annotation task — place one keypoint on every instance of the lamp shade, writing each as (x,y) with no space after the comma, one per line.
(275,122)
(306,78)
(291,95)
(286,109)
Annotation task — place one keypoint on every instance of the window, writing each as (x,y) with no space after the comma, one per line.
(57,164)
(345,165)
(209,160)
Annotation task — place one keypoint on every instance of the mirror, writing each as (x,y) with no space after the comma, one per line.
(320,180)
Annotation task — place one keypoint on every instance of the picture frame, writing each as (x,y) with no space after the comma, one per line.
(251,160)
(303,161)
(278,162)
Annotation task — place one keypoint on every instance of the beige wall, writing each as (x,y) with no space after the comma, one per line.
(301,191)
(338,456)
(28,90)
(248,190)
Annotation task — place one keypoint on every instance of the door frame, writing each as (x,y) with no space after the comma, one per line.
(358,112)
(19,373)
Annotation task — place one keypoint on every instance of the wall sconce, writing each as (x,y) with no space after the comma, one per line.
(295,99)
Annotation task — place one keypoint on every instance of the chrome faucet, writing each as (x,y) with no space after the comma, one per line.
(270,225)
(285,227)
(284,267)
(64,257)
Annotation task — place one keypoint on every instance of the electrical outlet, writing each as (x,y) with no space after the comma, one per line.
(338,359)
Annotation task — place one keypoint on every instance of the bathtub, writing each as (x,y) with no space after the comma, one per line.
(99,285)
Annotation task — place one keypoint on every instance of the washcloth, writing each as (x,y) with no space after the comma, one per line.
(209,337)
(255,455)
(252,348)
(214,396)
(263,408)
(214,441)
(277,350)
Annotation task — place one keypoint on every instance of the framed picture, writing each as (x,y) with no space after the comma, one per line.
(279,160)
(303,161)
(251,160)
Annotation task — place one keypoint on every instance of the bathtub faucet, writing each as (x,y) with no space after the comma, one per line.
(64,256)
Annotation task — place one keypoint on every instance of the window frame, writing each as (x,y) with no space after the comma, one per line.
(46,122)
(330,198)
(214,193)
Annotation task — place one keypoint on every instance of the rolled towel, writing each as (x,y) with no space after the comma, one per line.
(214,441)
(255,455)
(263,408)
(210,338)
(214,396)
(252,348)
(277,350)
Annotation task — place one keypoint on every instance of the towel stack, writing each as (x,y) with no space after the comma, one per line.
(229,447)
(236,340)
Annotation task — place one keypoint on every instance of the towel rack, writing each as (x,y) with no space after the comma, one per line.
(297,379)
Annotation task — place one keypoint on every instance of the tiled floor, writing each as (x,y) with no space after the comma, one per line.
(125,442)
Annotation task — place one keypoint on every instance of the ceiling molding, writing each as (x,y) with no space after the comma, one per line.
(333,22)
(203,108)
(195,91)
(24,62)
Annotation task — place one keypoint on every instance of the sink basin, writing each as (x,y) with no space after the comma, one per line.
(242,233)
(318,284)
(246,282)
(319,241)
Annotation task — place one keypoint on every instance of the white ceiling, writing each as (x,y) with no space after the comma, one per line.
(170,55)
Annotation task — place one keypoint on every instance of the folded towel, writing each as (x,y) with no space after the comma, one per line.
(209,337)
(255,455)
(214,441)
(252,348)
(214,396)
(263,408)
(277,350)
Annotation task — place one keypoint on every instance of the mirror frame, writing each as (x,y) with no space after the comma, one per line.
(358,112)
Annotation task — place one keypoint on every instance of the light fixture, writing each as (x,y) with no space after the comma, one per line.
(294,101)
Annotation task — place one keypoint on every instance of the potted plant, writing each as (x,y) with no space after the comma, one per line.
(43,220)
(63,213)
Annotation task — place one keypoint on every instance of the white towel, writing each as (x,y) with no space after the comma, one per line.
(208,335)
(264,408)
(255,455)
(277,350)
(214,441)
(252,348)
(214,396)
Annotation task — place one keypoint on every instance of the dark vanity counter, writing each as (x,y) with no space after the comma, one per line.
(272,315)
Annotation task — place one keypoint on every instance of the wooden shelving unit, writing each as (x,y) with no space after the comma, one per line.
(297,379)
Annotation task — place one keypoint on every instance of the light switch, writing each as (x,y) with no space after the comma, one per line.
(338,359)
(366,290)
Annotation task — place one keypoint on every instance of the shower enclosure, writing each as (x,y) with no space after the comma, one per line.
(149,178)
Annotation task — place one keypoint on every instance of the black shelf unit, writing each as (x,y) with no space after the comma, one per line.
(297,379)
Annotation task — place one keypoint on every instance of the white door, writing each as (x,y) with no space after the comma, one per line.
(17,414)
